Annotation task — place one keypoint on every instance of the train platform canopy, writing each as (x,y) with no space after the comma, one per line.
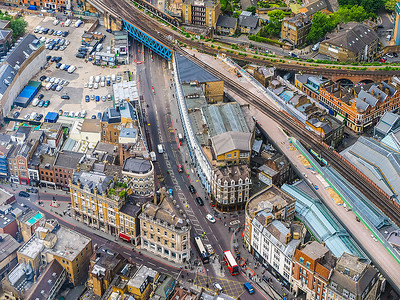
(321,222)
(188,71)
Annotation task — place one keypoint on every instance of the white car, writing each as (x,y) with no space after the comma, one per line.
(59,88)
(57,80)
(389,55)
(96,85)
(85,85)
(90,85)
(103,84)
(217,286)
(27,117)
(103,98)
(52,79)
(210,218)
(67,43)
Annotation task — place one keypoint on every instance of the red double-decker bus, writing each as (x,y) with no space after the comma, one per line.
(231,263)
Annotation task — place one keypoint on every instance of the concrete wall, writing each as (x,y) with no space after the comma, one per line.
(29,68)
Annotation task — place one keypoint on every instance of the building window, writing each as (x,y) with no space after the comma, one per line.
(308,265)
(301,260)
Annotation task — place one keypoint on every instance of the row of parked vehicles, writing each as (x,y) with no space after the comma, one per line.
(55,44)
(96,81)
(41,30)
(54,83)
(72,114)
(69,68)
(97,98)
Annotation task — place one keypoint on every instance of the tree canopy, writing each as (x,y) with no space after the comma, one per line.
(18,26)
(273,28)
(252,9)
(370,6)
(390,5)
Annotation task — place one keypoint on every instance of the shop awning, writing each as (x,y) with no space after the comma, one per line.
(124,237)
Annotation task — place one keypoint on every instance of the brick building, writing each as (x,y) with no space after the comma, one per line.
(312,267)
(296,29)
(201,12)
(351,42)
(49,4)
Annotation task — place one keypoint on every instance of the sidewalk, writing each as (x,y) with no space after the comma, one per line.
(58,212)
(252,270)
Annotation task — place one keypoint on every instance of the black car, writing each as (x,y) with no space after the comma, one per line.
(53,59)
(65,33)
(192,189)
(39,117)
(65,97)
(23,194)
(395,54)
(80,55)
(48,57)
(41,96)
(58,65)
(43,77)
(199,201)
(16,114)
(46,30)
(57,47)
(109,30)
(53,87)
(51,31)
(58,59)
(32,190)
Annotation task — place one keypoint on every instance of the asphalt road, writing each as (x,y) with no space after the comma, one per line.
(153,73)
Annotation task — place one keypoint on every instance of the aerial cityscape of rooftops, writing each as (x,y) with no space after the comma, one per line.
(199,149)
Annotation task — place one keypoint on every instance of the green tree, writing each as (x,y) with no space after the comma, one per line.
(390,5)
(18,26)
(321,24)
(252,9)
(122,194)
(273,28)
(370,6)
(347,14)
(236,14)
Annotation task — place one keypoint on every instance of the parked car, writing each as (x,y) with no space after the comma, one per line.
(48,57)
(16,114)
(59,88)
(93,116)
(65,97)
(39,117)
(41,96)
(32,190)
(60,112)
(43,77)
(87,99)
(97,98)
(99,115)
(47,103)
(41,103)
(103,98)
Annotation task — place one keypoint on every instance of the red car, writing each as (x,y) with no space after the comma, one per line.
(382,60)
(152,88)
(212,204)
(180,170)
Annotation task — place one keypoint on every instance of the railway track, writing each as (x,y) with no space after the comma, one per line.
(370,190)
(160,33)
(348,171)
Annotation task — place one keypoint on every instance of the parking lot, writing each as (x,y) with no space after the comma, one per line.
(75,89)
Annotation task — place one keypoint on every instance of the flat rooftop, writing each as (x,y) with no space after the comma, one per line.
(141,275)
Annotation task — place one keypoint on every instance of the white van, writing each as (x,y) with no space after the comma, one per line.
(35,101)
(78,23)
(83,113)
(97,79)
(99,47)
(160,148)
(71,69)
(91,79)
(34,115)
(56,22)
(113,77)
(67,23)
